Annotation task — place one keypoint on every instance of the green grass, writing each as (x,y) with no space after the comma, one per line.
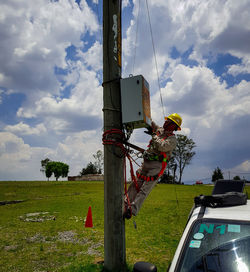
(60,242)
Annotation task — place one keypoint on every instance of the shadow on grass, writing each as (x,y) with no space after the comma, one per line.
(92,268)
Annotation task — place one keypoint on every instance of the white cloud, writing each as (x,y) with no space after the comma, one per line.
(241,168)
(82,110)
(13,148)
(243,68)
(209,27)
(93,57)
(35,37)
(24,129)
(125,3)
(193,92)
(20,161)
(79,148)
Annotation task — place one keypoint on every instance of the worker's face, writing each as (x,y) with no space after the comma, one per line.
(169,125)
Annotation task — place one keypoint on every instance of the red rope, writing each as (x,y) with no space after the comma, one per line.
(109,138)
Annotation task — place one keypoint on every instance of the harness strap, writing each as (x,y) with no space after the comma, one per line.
(153,178)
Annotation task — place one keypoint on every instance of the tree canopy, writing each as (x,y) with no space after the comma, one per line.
(98,161)
(96,167)
(236,178)
(182,155)
(59,169)
(89,169)
(217,174)
(43,164)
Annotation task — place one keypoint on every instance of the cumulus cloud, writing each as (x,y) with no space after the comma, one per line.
(193,92)
(243,167)
(24,129)
(34,38)
(243,68)
(13,147)
(93,57)
(79,149)
(82,110)
(16,158)
(209,27)
(20,161)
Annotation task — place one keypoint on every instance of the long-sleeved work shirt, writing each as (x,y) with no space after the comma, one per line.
(162,142)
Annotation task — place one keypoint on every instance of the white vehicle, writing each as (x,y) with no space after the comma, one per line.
(217,235)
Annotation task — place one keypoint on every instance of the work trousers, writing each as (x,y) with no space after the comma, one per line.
(149,168)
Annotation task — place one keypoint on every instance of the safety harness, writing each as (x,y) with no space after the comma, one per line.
(152,157)
(162,158)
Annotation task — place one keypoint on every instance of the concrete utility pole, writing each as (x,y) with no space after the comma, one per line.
(114,225)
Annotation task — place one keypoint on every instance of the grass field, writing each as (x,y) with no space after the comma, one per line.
(46,232)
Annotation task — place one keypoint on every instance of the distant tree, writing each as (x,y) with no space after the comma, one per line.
(236,178)
(65,170)
(98,161)
(49,169)
(217,174)
(166,178)
(183,154)
(59,169)
(43,164)
(90,169)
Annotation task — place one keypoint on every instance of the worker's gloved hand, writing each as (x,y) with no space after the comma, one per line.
(149,130)
(154,126)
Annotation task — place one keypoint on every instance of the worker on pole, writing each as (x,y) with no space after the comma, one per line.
(159,150)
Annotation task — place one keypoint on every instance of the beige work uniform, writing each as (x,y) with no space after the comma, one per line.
(160,142)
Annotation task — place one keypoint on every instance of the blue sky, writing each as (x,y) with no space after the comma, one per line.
(51,75)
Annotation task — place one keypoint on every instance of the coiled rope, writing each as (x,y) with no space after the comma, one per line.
(116,137)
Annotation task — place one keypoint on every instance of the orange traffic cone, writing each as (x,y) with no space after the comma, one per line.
(89,221)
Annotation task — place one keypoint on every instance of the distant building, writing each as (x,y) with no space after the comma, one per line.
(90,177)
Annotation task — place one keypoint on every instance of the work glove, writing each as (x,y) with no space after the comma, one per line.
(149,130)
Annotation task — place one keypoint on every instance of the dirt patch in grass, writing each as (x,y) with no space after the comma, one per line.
(37,217)
(69,236)
(11,248)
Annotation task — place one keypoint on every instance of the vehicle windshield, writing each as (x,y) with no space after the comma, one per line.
(217,246)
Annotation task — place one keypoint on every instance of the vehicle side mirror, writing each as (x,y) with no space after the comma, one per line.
(144,267)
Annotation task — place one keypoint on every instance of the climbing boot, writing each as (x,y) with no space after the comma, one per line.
(127,213)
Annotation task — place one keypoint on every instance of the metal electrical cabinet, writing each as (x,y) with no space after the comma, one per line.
(135,98)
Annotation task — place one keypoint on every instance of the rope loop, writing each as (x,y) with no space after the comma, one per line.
(116,137)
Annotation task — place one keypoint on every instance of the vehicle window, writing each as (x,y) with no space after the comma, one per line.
(217,246)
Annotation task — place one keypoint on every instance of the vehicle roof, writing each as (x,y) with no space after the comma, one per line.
(240,212)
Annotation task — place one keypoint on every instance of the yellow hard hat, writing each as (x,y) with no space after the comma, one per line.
(175,117)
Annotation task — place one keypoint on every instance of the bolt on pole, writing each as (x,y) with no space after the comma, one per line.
(114,225)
